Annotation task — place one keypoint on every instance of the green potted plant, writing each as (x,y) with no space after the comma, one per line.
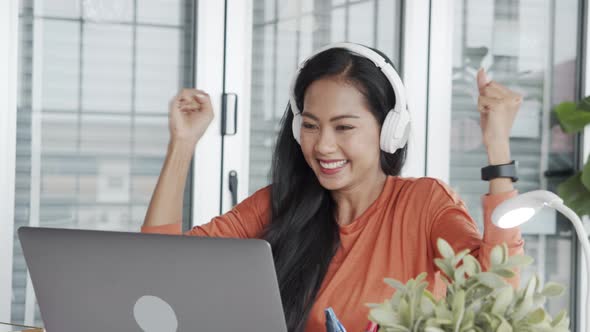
(476,300)
(575,191)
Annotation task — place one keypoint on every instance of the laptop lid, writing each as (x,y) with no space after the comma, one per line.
(115,281)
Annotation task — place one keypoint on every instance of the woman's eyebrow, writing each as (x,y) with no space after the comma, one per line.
(336,118)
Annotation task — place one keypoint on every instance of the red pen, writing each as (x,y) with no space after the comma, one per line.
(372,327)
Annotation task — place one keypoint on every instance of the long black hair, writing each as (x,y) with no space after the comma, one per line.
(303,231)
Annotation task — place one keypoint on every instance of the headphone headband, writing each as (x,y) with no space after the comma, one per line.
(380,62)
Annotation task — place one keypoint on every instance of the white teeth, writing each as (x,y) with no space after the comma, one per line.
(336,164)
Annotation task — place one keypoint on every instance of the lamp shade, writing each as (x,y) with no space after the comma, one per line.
(520,209)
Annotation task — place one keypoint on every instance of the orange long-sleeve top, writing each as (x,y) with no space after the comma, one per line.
(395,237)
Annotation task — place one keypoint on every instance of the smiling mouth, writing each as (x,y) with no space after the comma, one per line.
(330,165)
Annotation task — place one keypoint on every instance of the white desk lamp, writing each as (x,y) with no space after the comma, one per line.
(520,209)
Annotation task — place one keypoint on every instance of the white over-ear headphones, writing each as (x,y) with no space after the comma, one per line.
(396,127)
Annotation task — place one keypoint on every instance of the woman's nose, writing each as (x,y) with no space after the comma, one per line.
(326,143)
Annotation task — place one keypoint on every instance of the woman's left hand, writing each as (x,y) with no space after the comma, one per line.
(497,106)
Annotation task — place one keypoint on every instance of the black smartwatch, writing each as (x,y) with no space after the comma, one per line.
(500,171)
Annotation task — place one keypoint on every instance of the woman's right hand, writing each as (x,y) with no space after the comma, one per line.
(189,116)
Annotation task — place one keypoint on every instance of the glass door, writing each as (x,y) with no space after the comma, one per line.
(284,34)
(530,46)
(94,81)
(264,47)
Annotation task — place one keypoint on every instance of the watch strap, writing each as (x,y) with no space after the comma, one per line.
(500,171)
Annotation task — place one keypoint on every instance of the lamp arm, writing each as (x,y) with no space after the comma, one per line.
(583,237)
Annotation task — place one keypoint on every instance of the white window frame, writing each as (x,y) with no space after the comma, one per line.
(585,153)
(8,93)
(440,71)
(415,48)
(238,57)
(209,46)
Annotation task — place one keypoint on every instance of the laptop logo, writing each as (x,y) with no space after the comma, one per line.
(153,314)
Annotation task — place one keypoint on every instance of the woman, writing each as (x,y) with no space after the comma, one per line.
(337,215)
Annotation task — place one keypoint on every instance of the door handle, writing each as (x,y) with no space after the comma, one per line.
(233,187)
(554,173)
(229,120)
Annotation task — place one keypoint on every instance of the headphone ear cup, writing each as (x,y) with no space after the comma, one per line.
(403,129)
(296,127)
(395,131)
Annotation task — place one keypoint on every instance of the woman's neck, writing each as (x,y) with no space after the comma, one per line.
(354,201)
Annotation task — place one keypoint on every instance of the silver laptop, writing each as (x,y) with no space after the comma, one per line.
(115,281)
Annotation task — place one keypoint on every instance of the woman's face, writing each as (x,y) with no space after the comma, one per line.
(339,134)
